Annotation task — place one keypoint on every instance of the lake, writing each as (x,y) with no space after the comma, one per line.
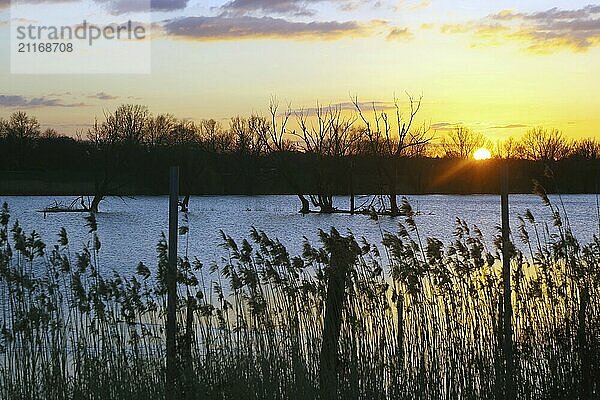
(130,228)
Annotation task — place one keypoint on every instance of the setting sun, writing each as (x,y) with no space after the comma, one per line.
(482,154)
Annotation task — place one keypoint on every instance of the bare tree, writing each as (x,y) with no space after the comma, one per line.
(114,141)
(276,142)
(544,144)
(19,131)
(183,133)
(586,148)
(462,142)
(126,125)
(249,134)
(22,127)
(390,145)
(3,128)
(49,133)
(509,148)
(158,129)
(213,137)
(329,138)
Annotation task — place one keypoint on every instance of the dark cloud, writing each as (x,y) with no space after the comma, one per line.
(168,5)
(542,32)
(14,101)
(118,7)
(103,96)
(551,14)
(6,3)
(288,7)
(295,7)
(225,27)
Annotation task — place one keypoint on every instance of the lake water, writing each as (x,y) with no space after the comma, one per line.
(129,229)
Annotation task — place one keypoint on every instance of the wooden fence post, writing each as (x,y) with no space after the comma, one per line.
(507,292)
(342,256)
(171,327)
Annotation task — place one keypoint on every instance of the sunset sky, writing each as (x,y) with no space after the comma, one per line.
(498,67)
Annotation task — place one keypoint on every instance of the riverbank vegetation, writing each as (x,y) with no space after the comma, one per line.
(314,154)
(411,318)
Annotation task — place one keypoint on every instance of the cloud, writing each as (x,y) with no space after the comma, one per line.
(551,14)
(294,7)
(14,101)
(547,31)
(168,5)
(365,106)
(413,5)
(102,96)
(444,126)
(287,7)
(117,7)
(509,126)
(400,34)
(7,3)
(225,27)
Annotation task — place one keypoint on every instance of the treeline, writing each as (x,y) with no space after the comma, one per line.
(329,131)
(329,151)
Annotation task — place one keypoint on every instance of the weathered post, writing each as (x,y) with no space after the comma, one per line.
(586,389)
(507,293)
(342,254)
(171,327)
(351,177)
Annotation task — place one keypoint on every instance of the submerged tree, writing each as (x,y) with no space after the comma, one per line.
(276,142)
(116,141)
(329,141)
(390,146)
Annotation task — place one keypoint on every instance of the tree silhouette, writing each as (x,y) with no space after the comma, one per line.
(213,138)
(588,149)
(544,144)
(389,147)
(461,142)
(158,129)
(116,142)
(20,131)
(332,152)
(22,127)
(327,141)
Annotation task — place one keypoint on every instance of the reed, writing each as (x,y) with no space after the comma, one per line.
(418,319)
